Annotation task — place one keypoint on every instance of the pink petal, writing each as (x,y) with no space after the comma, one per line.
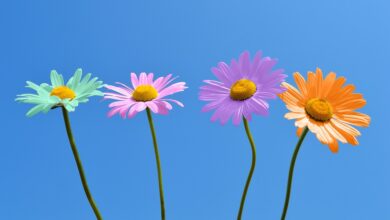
(177,87)
(163,82)
(157,82)
(152,106)
(133,110)
(121,103)
(119,90)
(162,108)
(141,106)
(134,80)
(113,111)
(150,79)
(174,101)
(114,96)
(125,86)
(167,105)
(143,79)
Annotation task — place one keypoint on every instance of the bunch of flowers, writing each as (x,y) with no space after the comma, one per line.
(323,105)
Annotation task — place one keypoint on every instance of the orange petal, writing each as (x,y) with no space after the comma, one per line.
(343,93)
(345,127)
(301,83)
(319,80)
(336,87)
(292,95)
(355,118)
(301,123)
(311,85)
(294,115)
(347,131)
(333,131)
(346,98)
(322,134)
(334,146)
(295,108)
(325,135)
(350,105)
(299,132)
(327,85)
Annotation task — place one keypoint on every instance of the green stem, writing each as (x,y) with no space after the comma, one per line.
(248,181)
(160,182)
(291,172)
(79,164)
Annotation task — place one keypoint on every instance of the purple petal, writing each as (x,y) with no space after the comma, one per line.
(255,64)
(220,75)
(245,64)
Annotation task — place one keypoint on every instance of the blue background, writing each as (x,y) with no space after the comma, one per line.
(204,164)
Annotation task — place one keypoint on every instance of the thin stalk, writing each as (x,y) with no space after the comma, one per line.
(160,181)
(79,164)
(291,172)
(248,181)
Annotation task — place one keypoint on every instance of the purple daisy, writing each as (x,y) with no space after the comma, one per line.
(243,88)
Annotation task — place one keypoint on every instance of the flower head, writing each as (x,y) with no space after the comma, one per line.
(76,90)
(144,93)
(243,88)
(326,107)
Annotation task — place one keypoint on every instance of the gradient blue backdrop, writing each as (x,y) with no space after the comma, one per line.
(204,164)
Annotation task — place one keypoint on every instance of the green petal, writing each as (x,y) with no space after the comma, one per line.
(75,80)
(41,91)
(56,79)
(86,78)
(46,87)
(35,110)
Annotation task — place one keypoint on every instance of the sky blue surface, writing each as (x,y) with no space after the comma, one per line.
(204,164)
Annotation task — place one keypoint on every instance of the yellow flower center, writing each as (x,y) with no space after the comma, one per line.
(319,109)
(144,93)
(242,89)
(63,92)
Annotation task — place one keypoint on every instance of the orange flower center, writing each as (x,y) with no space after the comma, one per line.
(144,93)
(63,92)
(242,89)
(319,109)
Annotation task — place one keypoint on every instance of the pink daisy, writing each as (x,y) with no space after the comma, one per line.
(144,93)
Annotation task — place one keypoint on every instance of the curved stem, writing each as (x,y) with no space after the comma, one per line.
(291,172)
(248,181)
(79,164)
(160,182)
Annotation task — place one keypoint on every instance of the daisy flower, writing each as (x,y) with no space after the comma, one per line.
(143,93)
(243,88)
(150,95)
(76,90)
(67,97)
(325,107)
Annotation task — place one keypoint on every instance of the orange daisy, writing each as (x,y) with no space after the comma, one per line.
(326,107)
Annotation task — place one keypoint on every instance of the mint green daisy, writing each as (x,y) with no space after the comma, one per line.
(67,97)
(76,90)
